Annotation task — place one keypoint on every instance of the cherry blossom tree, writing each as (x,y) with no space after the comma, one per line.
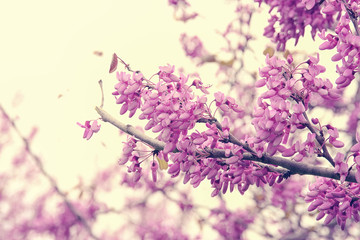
(266,139)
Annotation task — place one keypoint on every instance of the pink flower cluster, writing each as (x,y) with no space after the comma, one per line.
(293,16)
(273,119)
(169,106)
(128,89)
(282,111)
(224,175)
(172,109)
(129,154)
(334,200)
(282,107)
(347,42)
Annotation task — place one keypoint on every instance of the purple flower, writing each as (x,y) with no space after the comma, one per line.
(333,200)
(292,17)
(90,129)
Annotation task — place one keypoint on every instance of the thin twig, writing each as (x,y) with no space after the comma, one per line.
(106,117)
(52,181)
(320,140)
(102,93)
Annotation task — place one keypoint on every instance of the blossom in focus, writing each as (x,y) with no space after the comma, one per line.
(90,129)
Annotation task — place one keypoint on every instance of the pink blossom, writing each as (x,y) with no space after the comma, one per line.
(90,129)
(293,17)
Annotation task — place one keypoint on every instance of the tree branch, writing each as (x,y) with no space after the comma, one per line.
(106,117)
(284,163)
(232,138)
